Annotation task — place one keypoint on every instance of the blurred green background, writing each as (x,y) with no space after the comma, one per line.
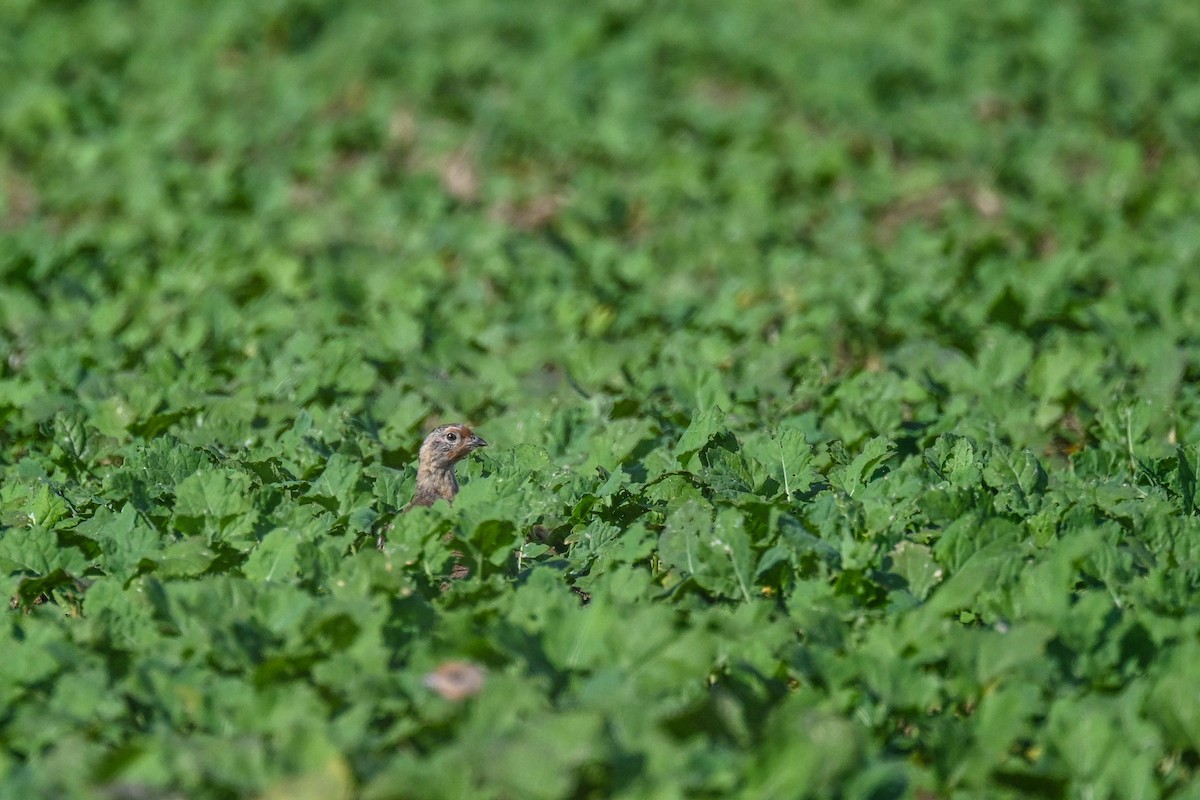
(481,199)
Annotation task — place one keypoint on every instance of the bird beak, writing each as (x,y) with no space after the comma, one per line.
(477,441)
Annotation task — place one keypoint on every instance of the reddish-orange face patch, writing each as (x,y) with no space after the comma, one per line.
(467,441)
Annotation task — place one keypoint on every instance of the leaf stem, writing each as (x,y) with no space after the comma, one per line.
(1129,441)
(787,489)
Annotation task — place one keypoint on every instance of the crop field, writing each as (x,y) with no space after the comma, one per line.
(838,363)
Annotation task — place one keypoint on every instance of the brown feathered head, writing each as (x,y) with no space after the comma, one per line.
(446,445)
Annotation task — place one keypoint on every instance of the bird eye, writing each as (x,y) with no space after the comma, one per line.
(451,436)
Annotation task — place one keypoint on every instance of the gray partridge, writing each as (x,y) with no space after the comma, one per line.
(444,447)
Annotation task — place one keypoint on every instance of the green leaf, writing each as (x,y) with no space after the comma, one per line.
(727,471)
(1007,650)
(1084,733)
(962,466)
(1006,714)
(186,558)
(680,544)
(1180,720)
(338,482)
(730,540)
(851,478)
(960,590)
(916,564)
(213,493)
(833,749)
(46,507)
(1017,478)
(36,551)
(165,461)
(705,424)
(124,539)
(788,458)
(1188,458)
(715,554)
(31,502)
(274,559)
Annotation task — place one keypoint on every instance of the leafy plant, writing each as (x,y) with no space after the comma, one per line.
(838,366)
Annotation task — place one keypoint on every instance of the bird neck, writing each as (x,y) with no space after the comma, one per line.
(434,482)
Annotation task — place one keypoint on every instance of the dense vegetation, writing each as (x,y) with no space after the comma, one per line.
(838,361)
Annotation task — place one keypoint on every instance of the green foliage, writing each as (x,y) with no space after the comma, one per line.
(838,362)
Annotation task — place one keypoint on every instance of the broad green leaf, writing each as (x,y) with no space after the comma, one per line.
(833,748)
(916,564)
(274,559)
(24,503)
(1017,478)
(338,481)
(961,588)
(851,478)
(1180,720)
(124,539)
(1006,714)
(681,543)
(186,558)
(1083,733)
(36,551)
(962,466)
(165,461)
(391,487)
(46,507)
(705,424)
(1188,460)
(213,493)
(716,554)
(788,458)
(730,540)
(726,469)
(1010,649)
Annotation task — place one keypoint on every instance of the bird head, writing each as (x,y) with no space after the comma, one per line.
(446,445)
